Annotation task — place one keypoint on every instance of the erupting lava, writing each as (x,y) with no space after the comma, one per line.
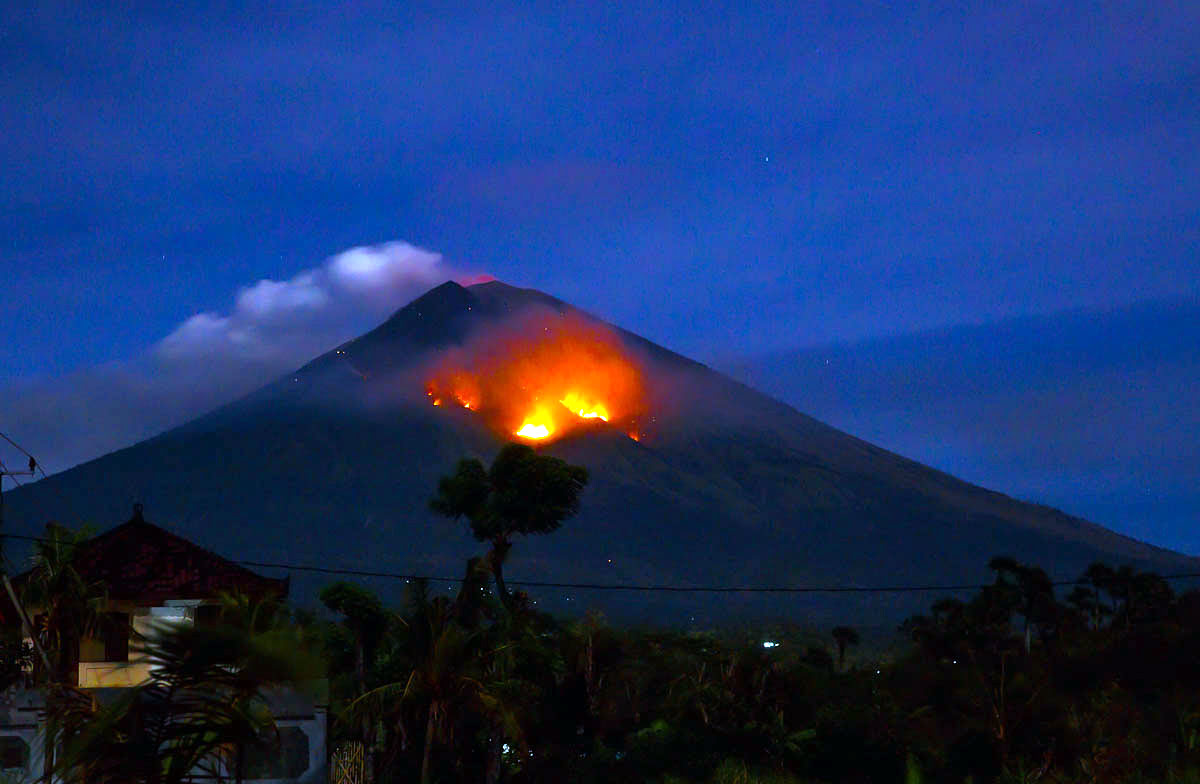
(545,376)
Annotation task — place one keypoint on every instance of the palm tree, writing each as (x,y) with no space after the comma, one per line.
(443,678)
(201,706)
(466,663)
(522,493)
(68,606)
(1087,601)
(363,616)
(365,619)
(844,636)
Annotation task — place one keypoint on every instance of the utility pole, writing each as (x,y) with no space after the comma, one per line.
(14,474)
(26,626)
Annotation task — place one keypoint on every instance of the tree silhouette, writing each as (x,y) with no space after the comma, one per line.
(844,636)
(442,675)
(522,493)
(365,620)
(68,606)
(1032,592)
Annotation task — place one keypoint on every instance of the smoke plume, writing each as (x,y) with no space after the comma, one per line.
(272,327)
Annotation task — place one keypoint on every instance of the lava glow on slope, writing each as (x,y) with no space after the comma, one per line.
(542,377)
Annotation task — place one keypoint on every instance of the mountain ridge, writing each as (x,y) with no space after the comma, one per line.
(737,488)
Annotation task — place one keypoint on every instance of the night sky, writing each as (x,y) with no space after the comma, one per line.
(970,234)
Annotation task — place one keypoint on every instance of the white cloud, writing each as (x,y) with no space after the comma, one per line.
(289,321)
(380,269)
(212,358)
(200,329)
(269,298)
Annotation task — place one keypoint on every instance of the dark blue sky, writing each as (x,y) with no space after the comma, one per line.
(728,181)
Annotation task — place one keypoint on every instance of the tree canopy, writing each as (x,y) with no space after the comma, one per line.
(523,492)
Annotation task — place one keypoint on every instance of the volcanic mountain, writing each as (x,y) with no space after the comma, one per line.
(696,480)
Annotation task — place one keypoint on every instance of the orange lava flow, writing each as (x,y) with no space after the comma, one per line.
(543,377)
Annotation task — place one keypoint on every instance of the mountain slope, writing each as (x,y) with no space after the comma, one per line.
(333,465)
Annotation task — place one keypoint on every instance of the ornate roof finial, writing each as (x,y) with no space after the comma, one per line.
(137,514)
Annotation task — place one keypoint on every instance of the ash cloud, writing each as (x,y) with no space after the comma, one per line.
(272,327)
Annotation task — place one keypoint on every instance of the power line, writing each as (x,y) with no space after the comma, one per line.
(650,588)
(642,588)
(11,474)
(33,462)
(678,588)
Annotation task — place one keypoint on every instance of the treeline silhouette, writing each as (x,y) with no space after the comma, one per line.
(1015,684)
(1019,682)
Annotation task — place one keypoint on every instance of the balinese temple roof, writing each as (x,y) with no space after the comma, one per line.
(140,561)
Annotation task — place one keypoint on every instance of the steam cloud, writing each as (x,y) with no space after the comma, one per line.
(212,358)
(289,321)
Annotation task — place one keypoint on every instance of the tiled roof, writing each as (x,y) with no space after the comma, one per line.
(140,561)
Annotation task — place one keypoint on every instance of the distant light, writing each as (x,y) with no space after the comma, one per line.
(770,644)
(879,672)
(505,748)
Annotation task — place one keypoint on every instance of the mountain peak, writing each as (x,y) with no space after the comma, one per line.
(446,315)
(722,482)
(446,296)
(504,297)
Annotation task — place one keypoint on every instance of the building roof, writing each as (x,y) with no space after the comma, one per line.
(142,562)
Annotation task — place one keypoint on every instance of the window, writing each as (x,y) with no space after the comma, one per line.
(14,753)
(116,637)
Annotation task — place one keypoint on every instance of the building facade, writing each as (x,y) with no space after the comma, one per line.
(153,577)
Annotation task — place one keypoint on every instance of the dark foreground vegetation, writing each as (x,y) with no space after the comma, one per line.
(1011,685)
(1021,682)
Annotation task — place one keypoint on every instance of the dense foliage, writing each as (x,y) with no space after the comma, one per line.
(1024,681)
(1012,684)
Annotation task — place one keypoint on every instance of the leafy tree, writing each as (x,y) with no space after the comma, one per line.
(522,493)
(1033,593)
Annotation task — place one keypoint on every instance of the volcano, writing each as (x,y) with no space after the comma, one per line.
(696,480)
